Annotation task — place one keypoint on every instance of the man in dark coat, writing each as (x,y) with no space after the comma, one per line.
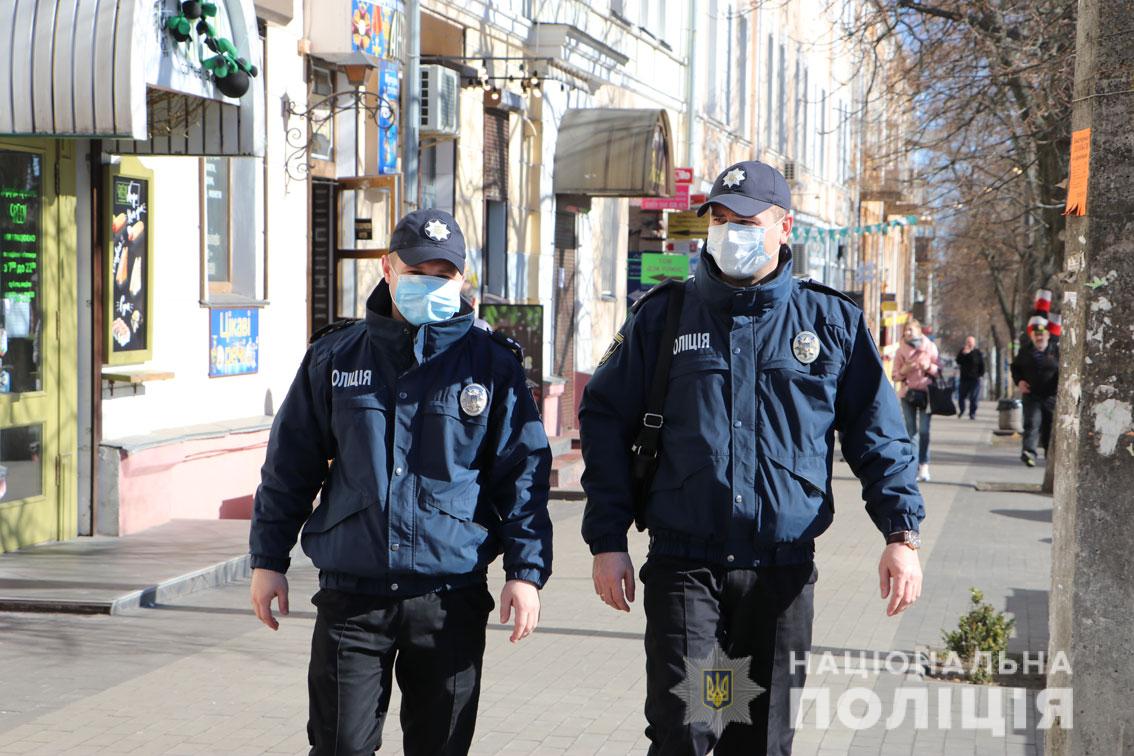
(971,362)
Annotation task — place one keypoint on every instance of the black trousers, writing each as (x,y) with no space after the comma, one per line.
(970,392)
(763,615)
(434,644)
(1038,412)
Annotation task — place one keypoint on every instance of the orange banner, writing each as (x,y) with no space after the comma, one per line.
(1080,168)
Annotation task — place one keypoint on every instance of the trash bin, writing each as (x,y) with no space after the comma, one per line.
(1011,415)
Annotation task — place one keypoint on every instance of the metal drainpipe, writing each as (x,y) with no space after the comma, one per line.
(690,82)
(411,113)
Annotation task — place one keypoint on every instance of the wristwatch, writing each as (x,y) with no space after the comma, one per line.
(910,538)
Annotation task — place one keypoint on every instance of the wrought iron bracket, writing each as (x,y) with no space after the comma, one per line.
(297,162)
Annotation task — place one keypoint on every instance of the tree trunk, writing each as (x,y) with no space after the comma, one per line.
(1092,584)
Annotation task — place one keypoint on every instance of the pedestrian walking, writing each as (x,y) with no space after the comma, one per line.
(916,362)
(1035,371)
(419,434)
(758,373)
(970,360)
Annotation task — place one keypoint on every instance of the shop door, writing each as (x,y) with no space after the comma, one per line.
(37,258)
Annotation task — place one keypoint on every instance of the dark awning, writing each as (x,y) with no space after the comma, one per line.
(610,152)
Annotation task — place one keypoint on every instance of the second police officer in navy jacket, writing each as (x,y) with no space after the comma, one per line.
(766,371)
(419,434)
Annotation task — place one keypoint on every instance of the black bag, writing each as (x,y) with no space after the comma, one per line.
(941,392)
(646,448)
(917,398)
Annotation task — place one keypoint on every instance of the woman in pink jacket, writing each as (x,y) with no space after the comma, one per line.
(915,363)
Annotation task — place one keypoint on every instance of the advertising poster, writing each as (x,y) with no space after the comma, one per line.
(376,27)
(129,269)
(234,342)
(389,89)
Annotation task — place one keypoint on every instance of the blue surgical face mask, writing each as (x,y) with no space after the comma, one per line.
(738,250)
(426,299)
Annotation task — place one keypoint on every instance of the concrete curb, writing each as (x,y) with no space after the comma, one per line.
(213,576)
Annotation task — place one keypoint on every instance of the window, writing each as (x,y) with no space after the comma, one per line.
(232,230)
(21,230)
(712,105)
(769,131)
(804,107)
(741,117)
(822,161)
(651,18)
(781,126)
(322,122)
(438,175)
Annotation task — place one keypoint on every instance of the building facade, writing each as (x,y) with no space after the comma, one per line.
(144,341)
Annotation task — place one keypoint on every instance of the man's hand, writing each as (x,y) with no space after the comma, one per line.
(266,585)
(524,598)
(899,574)
(611,572)
(1025,387)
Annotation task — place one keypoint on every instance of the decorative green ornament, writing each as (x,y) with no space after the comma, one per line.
(231,73)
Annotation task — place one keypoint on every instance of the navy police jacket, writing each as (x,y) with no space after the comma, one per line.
(761,381)
(419,490)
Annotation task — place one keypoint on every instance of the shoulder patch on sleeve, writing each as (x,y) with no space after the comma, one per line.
(327,330)
(615,345)
(810,283)
(652,292)
(510,344)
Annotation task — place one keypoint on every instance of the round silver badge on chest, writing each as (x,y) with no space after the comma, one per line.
(805,347)
(474,399)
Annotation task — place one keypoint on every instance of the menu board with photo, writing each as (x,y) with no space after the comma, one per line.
(130,263)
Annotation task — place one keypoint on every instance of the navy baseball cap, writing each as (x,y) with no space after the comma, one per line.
(429,235)
(748,189)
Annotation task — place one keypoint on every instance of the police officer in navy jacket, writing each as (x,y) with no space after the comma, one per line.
(766,371)
(429,457)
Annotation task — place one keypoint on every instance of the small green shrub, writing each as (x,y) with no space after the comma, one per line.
(983,630)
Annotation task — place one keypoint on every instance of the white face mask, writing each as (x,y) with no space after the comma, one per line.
(738,250)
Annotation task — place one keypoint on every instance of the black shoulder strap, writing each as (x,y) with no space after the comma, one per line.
(326,330)
(647,441)
(508,343)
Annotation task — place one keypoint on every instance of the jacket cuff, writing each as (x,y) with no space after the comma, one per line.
(608,543)
(902,522)
(260,562)
(535,576)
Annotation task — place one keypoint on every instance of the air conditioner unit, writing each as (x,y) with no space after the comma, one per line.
(440,90)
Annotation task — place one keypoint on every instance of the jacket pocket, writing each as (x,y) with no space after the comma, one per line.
(447,540)
(331,512)
(449,442)
(797,491)
(797,404)
(360,423)
(685,492)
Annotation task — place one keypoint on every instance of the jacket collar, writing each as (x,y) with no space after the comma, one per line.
(749,300)
(429,340)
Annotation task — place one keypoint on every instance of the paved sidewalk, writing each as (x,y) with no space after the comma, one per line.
(104,575)
(199,676)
